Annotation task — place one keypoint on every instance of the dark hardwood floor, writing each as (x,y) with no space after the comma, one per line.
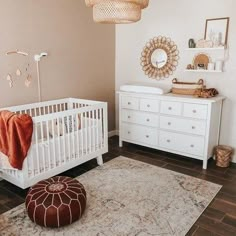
(218,219)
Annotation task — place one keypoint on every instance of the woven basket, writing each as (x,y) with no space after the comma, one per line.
(223,155)
(186,88)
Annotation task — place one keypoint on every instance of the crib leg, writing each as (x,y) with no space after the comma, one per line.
(100,160)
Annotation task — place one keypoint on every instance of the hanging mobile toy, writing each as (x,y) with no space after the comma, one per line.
(9,78)
(28,81)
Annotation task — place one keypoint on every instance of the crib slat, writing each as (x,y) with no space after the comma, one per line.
(77,135)
(94,125)
(42,143)
(48,142)
(105,126)
(54,144)
(37,150)
(82,133)
(97,129)
(68,137)
(59,140)
(86,132)
(64,139)
(90,131)
(73,135)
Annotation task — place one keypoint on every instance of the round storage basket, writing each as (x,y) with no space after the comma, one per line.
(223,155)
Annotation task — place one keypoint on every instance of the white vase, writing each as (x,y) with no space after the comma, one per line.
(211,66)
(219,65)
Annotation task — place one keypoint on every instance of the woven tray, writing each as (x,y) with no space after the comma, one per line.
(186,88)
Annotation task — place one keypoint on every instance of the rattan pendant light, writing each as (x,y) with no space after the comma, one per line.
(117,11)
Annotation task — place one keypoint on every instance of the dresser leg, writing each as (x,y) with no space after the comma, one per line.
(204,166)
(120,143)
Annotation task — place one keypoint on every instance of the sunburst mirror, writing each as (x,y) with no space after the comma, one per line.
(159,57)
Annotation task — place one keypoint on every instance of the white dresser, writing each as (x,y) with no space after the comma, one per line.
(179,124)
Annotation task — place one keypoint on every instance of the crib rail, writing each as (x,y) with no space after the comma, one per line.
(49,107)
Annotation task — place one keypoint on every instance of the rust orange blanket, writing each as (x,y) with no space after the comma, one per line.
(15,136)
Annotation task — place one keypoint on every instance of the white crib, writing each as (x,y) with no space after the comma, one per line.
(67,132)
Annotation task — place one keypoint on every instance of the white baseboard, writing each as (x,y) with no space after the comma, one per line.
(113,133)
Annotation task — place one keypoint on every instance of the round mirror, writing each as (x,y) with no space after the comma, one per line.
(159,58)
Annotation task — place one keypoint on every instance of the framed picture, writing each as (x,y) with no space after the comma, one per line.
(216,30)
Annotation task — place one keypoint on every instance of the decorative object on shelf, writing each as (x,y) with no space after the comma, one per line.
(159,57)
(216,30)
(117,11)
(190,67)
(202,43)
(206,93)
(187,88)
(191,43)
(201,61)
(219,65)
(211,66)
(223,155)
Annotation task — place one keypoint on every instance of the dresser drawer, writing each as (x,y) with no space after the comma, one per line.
(197,111)
(140,134)
(182,143)
(150,105)
(130,102)
(171,108)
(142,118)
(183,125)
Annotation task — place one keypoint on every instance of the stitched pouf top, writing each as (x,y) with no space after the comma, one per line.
(56,202)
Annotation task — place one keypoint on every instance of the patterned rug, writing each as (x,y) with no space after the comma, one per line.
(127,197)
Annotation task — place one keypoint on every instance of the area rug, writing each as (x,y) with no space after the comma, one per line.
(127,198)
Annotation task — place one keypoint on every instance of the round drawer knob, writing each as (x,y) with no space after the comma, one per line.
(147,136)
(194,111)
(148,105)
(169,108)
(148,120)
(129,117)
(128,132)
(192,146)
(168,141)
(169,123)
(129,103)
(193,127)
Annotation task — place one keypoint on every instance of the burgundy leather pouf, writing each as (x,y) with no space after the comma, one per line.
(56,202)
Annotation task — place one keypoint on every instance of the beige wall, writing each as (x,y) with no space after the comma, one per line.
(181,20)
(81,61)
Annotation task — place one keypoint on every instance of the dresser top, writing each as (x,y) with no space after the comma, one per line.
(175,97)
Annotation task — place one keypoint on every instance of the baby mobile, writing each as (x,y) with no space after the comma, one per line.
(20,72)
(25,70)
